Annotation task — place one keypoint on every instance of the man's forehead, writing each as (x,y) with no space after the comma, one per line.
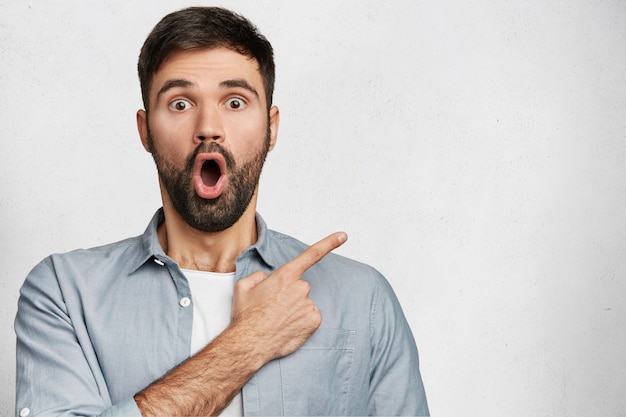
(215,59)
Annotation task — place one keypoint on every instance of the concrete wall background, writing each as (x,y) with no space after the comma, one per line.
(475,151)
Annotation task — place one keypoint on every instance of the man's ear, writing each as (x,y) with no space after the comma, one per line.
(274,121)
(142,128)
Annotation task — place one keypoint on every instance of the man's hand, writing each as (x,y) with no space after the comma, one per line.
(272,317)
(276,308)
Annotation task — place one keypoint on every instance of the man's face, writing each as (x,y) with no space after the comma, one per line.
(209,132)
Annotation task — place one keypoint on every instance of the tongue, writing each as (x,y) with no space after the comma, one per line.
(210,173)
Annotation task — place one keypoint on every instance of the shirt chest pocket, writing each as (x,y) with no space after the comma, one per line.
(315,379)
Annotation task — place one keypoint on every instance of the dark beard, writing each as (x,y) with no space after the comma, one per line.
(220,213)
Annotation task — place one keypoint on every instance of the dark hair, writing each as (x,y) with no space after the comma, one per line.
(200,28)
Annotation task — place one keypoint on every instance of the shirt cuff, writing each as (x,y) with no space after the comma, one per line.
(126,408)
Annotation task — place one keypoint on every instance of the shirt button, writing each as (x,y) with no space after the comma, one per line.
(24,412)
(185,302)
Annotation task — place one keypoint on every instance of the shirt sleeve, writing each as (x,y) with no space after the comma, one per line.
(396,386)
(57,375)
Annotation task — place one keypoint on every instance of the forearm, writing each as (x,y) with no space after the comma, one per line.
(206,383)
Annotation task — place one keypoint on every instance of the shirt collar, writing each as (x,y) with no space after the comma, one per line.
(263,245)
(152,247)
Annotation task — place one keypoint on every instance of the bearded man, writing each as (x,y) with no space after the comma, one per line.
(209,312)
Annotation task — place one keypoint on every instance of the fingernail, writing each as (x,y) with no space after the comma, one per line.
(342,237)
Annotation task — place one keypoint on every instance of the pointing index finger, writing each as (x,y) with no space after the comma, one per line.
(314,253)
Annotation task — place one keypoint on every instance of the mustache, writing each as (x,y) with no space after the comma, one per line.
(203,147)
(211,147)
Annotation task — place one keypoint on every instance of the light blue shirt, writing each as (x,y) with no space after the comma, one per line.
(94,327)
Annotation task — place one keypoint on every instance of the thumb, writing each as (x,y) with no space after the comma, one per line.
(252,280)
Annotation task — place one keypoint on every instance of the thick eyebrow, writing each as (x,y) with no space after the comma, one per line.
(180,82)
(172,84)
(239,83)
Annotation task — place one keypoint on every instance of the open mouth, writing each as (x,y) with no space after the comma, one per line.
(209,175)
(210,172)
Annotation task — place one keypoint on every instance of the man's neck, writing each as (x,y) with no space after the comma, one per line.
(206,251)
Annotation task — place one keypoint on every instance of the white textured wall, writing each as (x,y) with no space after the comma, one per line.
(474,150)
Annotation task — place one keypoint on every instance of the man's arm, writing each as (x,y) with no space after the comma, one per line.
(272,317)
(396,386)
(54,368)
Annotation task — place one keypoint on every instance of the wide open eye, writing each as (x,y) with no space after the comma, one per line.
(180,105)
(235,103)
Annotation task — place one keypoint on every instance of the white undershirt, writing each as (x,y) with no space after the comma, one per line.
(212,300)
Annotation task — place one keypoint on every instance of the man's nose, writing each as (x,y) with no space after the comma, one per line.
(209,126)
